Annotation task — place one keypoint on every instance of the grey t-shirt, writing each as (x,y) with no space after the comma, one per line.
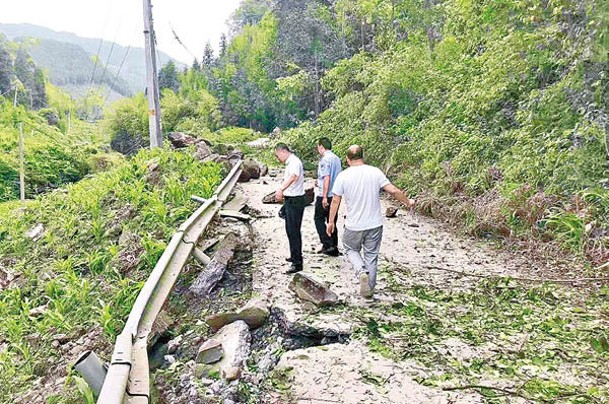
(360,187)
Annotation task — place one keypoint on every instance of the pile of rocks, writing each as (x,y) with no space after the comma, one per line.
(220,153)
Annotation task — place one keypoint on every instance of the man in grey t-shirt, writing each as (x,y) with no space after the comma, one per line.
(360,186)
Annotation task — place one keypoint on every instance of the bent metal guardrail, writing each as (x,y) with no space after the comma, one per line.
(127,379)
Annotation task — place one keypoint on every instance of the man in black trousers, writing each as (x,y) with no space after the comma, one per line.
(292,193)
(328,168)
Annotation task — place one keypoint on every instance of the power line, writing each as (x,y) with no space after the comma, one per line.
(101,41)
(177,38)
(106,67)
(117,73)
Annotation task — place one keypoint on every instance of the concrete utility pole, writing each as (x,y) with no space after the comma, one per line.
(152,84)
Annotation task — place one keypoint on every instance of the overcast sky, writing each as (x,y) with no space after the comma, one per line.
(121,21)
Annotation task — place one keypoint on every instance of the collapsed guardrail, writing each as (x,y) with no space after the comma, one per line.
(127,377)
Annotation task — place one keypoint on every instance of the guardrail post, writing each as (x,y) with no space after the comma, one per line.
(92,369)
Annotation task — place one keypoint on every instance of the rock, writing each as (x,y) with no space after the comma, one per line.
(275,133)
(244,177)
(235,340)
(311,290)
(36,232)
(203,151)
(174,344)
(252,167)
(210,352)
(38,311)
(231,373)
(154,173)
(180,140)
(309,197)
(260,143)
(254,313)
(391,211)
(61,338)
(264,170)
(170,359)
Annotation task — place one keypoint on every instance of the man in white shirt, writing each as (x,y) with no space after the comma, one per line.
(360,186)
(291,192)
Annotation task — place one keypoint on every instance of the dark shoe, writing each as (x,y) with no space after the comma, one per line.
(332,252)
(294,268)
(289,259)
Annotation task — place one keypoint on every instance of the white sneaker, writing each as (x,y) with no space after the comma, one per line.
(364,285)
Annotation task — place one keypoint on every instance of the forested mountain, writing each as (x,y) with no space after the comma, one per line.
(494,112)
(70,59)
(18,72)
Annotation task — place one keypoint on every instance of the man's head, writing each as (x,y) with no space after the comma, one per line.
(355,154)
(323,144)
(282,152)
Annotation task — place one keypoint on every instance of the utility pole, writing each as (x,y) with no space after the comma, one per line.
(21,165)
(152,90)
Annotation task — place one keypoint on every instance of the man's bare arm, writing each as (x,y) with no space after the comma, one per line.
(333,212)
(399,195)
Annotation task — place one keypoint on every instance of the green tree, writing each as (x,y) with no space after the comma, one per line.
(168,77)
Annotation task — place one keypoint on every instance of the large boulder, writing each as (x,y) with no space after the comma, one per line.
(254,313)
(252,168)
(312,290)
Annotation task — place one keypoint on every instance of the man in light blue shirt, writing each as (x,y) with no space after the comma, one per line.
(328,168)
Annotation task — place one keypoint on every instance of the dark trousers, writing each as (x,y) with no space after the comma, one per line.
(321,218)
(294,209)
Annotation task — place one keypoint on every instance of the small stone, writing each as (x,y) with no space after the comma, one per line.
(170,359)
(55,344)
(61,338)
(174,344)
(231,373)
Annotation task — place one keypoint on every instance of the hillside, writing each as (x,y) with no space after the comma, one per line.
(55,48)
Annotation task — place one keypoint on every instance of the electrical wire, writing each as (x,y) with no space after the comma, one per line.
(177,38)
(117,73)
(101,41)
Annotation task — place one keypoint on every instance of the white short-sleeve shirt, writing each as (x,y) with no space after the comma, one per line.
(293,165)
(360,188)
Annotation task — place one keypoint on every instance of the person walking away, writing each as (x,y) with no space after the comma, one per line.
(291,192)
(328,168)
(360,186)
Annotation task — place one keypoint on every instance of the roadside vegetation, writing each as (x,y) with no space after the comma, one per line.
(82,269)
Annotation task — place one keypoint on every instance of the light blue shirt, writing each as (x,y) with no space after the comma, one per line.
(329,165)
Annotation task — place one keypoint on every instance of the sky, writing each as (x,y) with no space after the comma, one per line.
(121,21)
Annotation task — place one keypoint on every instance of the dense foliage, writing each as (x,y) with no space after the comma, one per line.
(493,112)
